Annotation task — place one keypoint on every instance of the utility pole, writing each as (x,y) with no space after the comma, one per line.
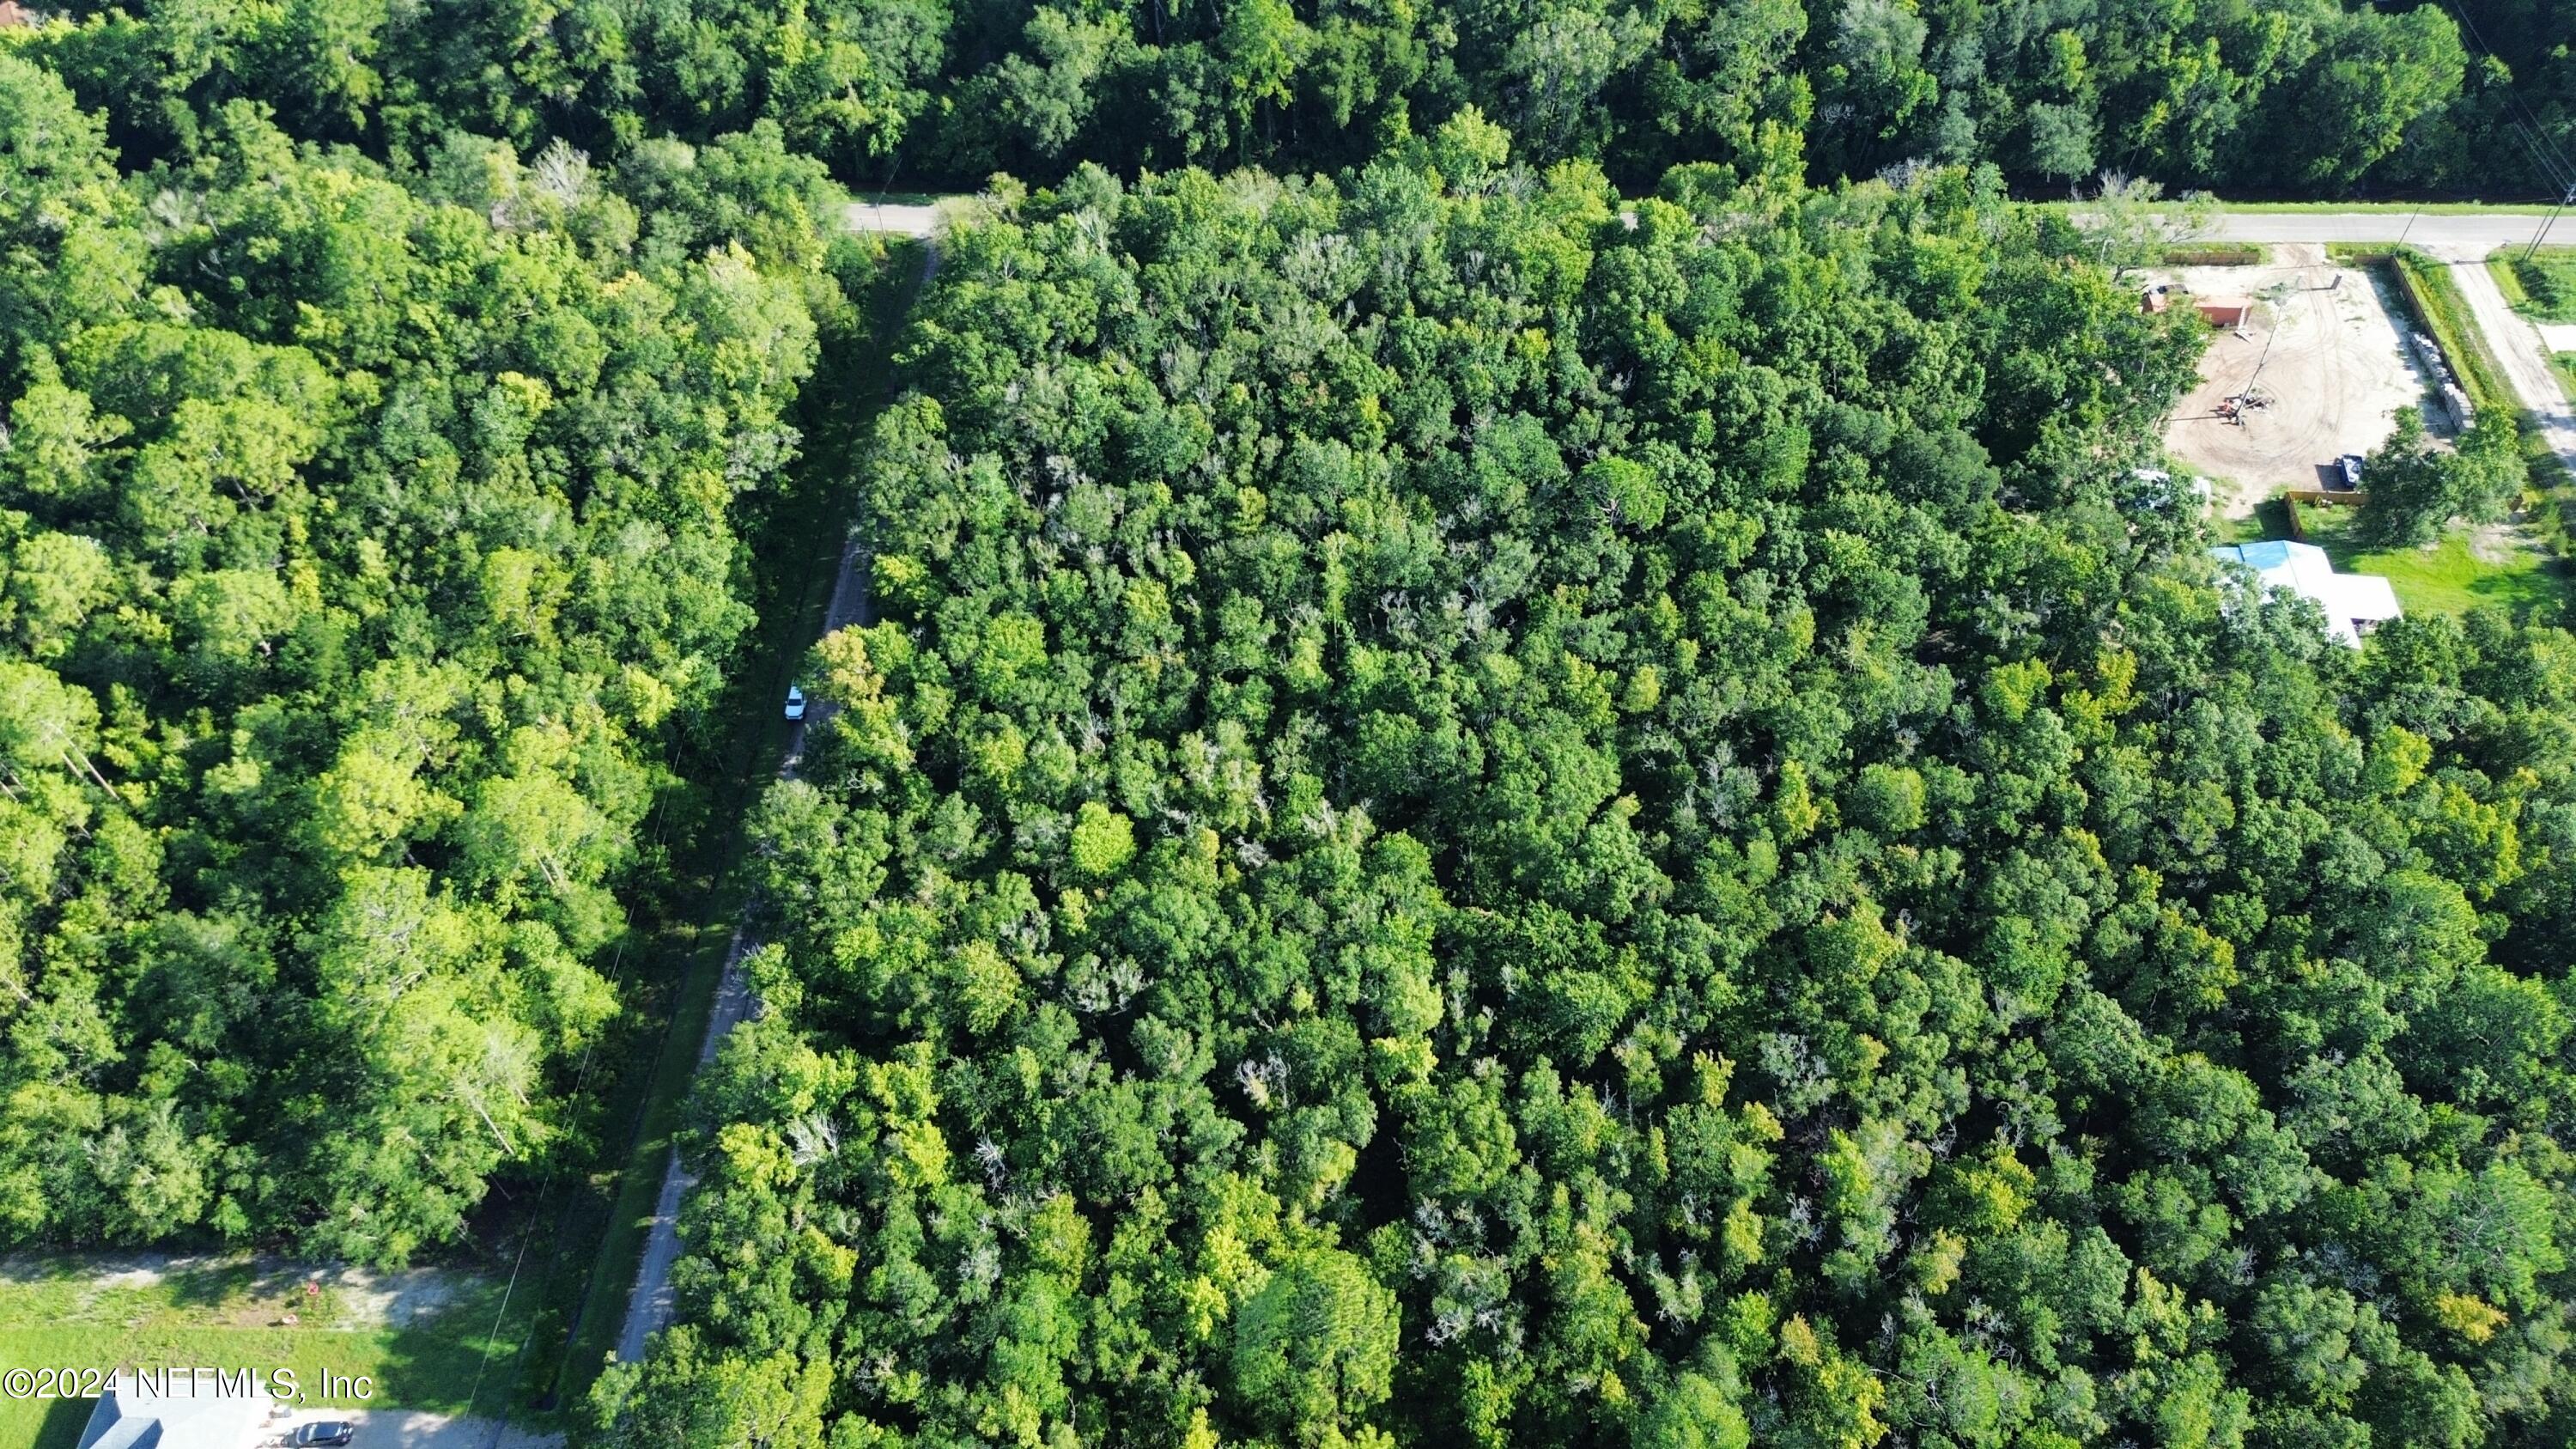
(2563,203)
(2245,396)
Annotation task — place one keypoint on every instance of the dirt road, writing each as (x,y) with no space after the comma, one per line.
(2516,344)
(915,221)
(649,1303)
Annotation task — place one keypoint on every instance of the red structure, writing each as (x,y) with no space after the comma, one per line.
(2226,312)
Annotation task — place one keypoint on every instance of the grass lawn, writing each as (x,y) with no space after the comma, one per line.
(2546,282)
(428,1352)
(2507,280)
(2217,254)
(2270,519)
(2453,574)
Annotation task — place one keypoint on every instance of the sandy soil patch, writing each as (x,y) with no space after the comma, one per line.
(2323,345)
(256,1290)
(131,1273)
(2500,542)
(391,1299)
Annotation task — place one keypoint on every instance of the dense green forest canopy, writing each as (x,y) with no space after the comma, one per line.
(1536,765)
(361,548)
(2312,96)
(1484,815)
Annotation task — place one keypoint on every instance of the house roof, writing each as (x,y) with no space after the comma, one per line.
(2350,601)
(182,1419)
(2270,554)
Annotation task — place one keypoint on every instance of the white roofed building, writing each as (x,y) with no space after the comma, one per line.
(2354,604)
(177,1410)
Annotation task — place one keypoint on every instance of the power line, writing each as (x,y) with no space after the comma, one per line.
(498,1317)
(2566,198)
(2557,174)
(2512,94)
(2541,159)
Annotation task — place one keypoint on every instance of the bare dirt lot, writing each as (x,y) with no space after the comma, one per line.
(2336,370)
(242,1291)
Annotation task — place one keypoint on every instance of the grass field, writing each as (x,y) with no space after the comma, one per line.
(439,1344)
(2217,254)
(2461,570)
(2543,284)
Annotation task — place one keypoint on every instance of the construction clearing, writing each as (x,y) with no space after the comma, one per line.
(2316,367)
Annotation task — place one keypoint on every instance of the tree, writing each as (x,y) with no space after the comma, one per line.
(2417,489)
(354,587)
(2130,224)
(2061,140)
(1693,1414)
(1314,1348)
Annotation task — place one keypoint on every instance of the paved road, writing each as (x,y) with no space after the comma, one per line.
(2462,243)
(648,1304)
(2485,232)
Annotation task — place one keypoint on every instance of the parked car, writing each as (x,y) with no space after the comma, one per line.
(795,702)
(2349,466)
(336,1431)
